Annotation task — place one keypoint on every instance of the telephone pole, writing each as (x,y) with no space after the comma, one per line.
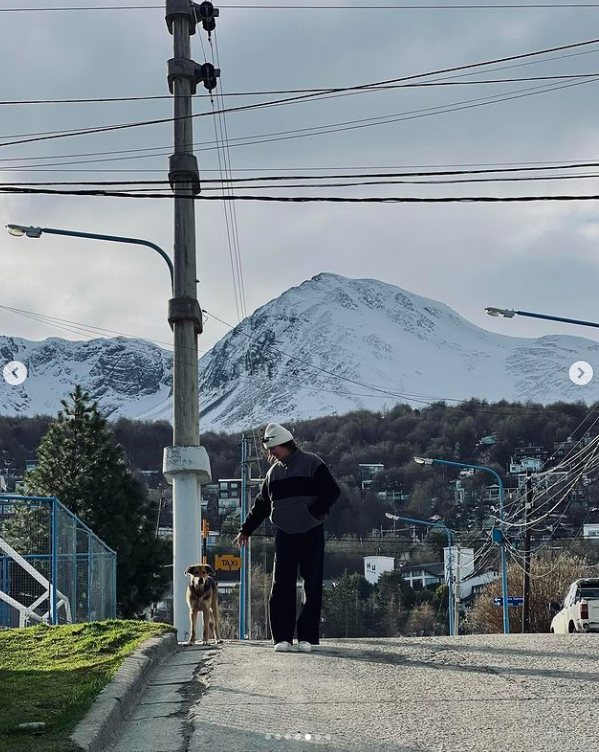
(457,598)
(244,574)
(186,464)
(526,580)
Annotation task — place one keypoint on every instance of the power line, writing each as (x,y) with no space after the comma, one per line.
(310,131)
(257,183)
(312,199)
(300,98)
(469,6)
(272,92)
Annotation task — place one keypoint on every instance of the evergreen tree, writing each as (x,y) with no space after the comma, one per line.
(82,466)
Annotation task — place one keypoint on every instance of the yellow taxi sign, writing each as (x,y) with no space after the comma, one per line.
(228,563)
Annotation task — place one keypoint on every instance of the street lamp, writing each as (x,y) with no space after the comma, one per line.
(18,231)
(451,583)
(185,466)
(500,532)
(507,313)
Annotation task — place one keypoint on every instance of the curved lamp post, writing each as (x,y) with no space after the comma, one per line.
(18,231)
(182,534)
(451,584)
(498,536)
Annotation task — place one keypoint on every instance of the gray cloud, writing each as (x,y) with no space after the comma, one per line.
(527,256)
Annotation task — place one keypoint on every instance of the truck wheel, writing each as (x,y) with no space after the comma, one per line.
(571,627)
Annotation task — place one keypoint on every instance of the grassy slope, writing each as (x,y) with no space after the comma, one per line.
(52,674)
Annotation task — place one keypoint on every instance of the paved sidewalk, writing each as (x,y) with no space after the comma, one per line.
(484,693)
(161,721)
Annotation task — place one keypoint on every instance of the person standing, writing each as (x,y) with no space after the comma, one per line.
(297,494)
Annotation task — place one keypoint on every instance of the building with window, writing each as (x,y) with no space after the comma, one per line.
(375,566)
(420,576)
(367,473)
(522,465)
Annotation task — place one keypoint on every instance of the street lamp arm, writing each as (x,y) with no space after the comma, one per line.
(451,582)
(509,314)
(557,318)
(115,239)
(473,467)
(504,586)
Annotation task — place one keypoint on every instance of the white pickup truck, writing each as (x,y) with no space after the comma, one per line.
(580,612)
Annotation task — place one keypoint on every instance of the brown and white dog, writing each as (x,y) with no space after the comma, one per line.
(202,595)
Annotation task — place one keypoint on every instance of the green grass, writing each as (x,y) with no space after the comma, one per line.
(52,674)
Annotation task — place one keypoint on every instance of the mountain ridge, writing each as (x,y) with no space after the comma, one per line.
(327,346)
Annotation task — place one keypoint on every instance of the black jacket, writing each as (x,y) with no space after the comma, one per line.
(297,494)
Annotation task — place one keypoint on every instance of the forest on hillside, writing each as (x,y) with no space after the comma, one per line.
(474,432)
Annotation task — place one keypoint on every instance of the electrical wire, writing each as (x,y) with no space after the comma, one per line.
(586,469)
(310,199)
(256,183)
(273,92)
(312,131)
(461,7)
(92,330)
(51,135)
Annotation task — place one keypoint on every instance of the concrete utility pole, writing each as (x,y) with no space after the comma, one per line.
(457,597)
(186,464)
(244,574)
(526,580)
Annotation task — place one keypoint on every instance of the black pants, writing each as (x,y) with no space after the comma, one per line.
(303,551)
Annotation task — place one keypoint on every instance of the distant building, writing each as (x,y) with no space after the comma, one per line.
(524,464)
(393,496)
(531,450)
(591,531)
(471,587)
(489,440)
(374,566)
(229,495)
(492,493)
(420,576)
(367,473)
(461,494)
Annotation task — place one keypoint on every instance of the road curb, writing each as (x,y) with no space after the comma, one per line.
(114,703)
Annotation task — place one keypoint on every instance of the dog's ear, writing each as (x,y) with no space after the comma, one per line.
(187,572)
(208,569)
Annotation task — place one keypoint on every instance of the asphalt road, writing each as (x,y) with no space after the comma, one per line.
(537,693)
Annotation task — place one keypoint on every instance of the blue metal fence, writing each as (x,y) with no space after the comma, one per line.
(53,568)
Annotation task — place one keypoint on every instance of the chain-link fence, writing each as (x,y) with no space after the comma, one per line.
(53,568)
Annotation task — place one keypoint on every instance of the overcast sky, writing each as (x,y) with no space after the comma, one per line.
(540,257)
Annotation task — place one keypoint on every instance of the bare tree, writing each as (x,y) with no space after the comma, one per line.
(550,577)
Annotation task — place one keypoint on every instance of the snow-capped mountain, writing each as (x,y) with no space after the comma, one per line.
(335,344)
(129,378)
(329,346)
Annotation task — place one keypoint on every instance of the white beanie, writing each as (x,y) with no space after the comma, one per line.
(275,435)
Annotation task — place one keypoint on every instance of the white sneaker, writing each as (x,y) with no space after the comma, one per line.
(282,647)
(304,647)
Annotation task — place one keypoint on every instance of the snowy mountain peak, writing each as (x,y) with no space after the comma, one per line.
(328,346)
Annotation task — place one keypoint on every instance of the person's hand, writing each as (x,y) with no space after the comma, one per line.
(241,540)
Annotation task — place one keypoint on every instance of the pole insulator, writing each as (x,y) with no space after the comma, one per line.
(181,67)
(208,14)
(181,9)
(209,74)
(183,168)
(185,309)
